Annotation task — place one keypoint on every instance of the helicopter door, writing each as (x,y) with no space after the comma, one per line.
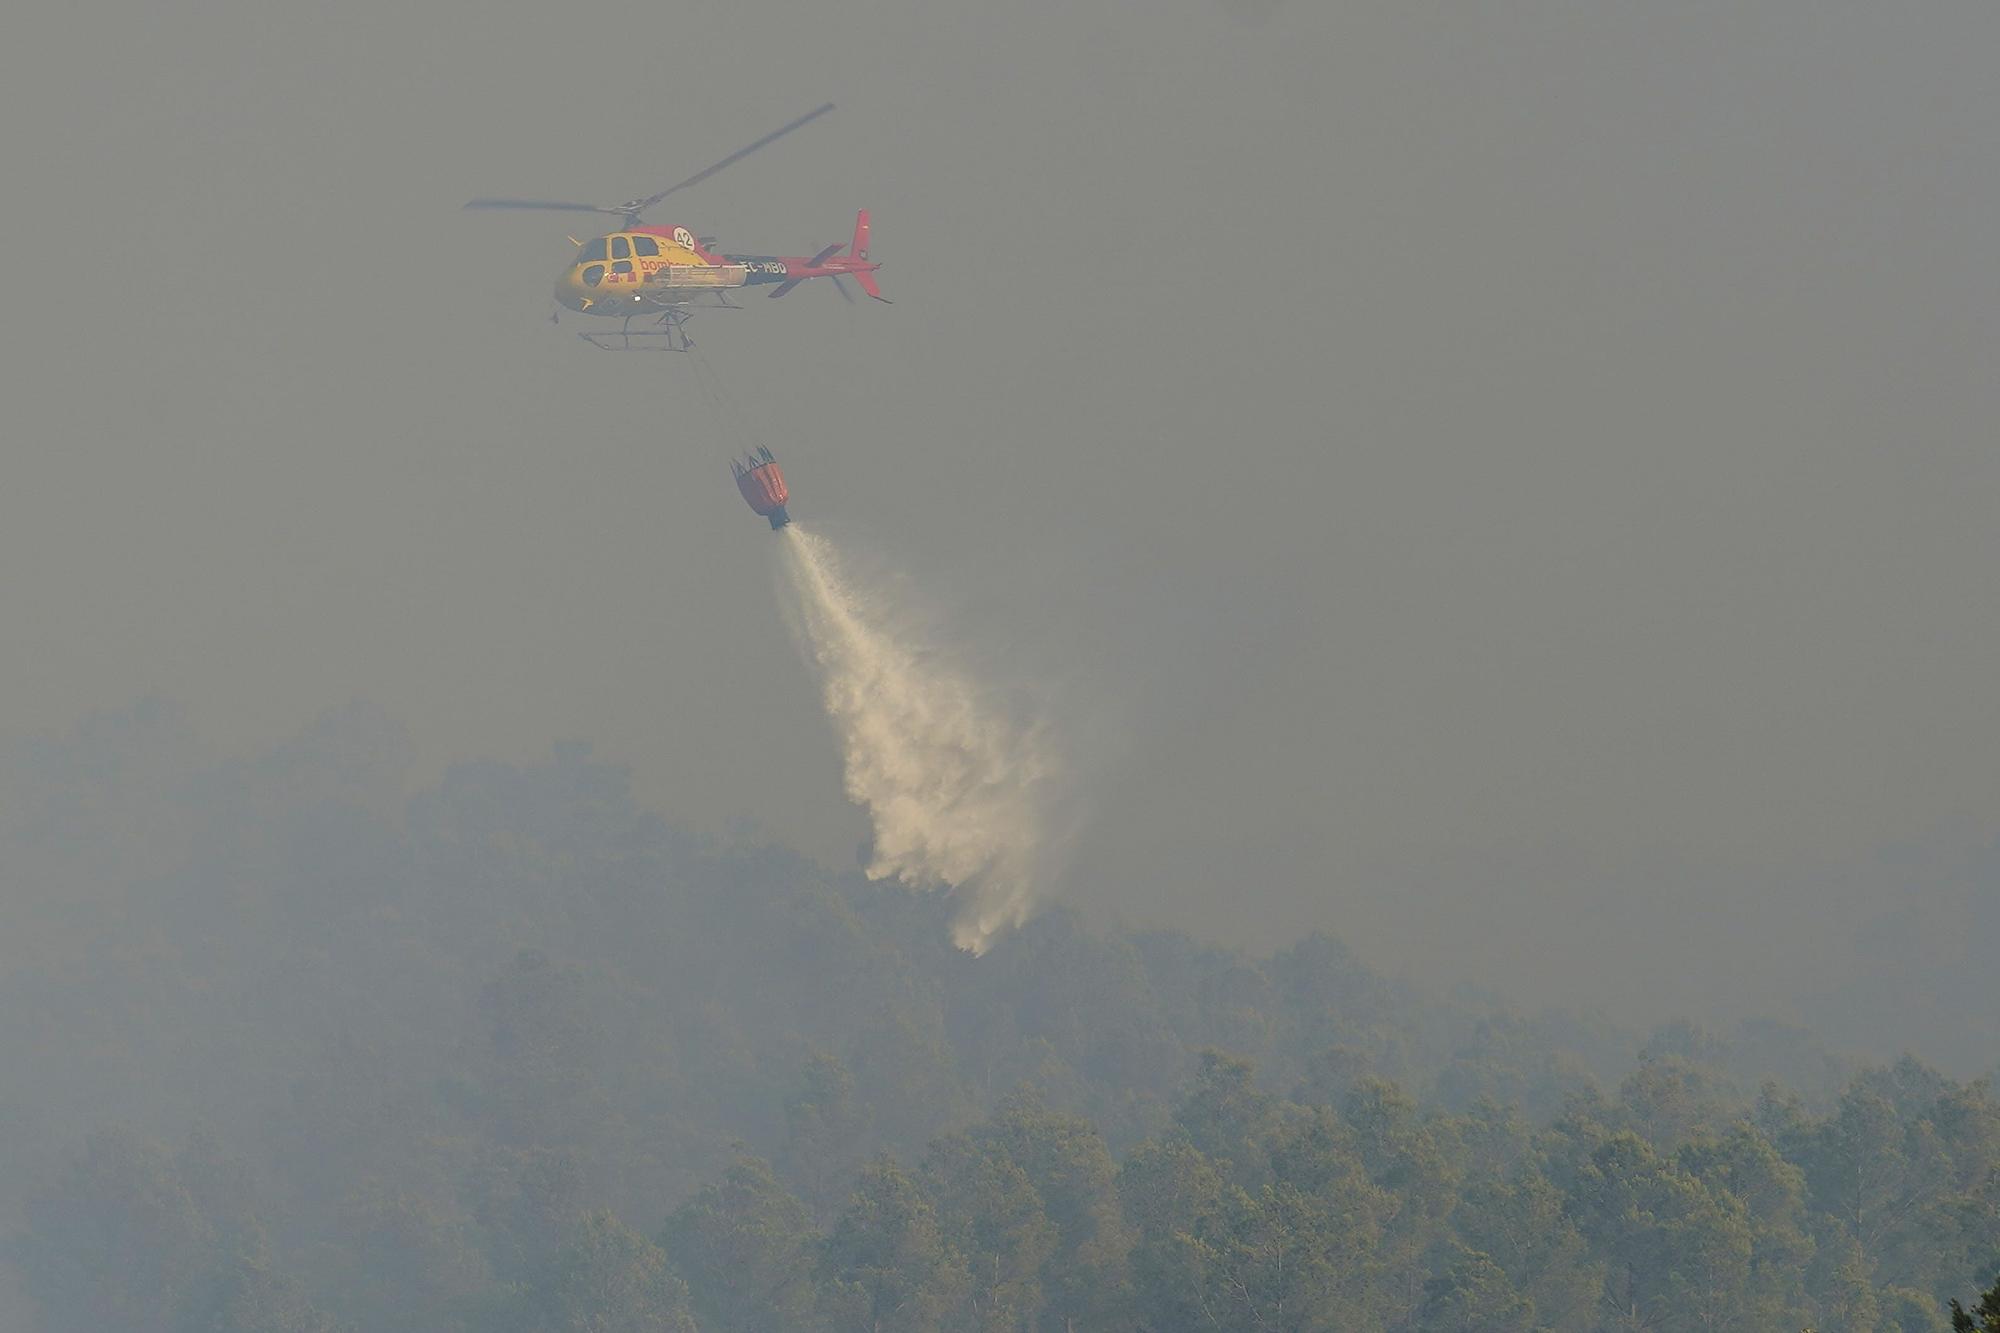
(646,252)
(621,261)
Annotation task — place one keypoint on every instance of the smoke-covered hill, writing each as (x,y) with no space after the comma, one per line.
(414,1054)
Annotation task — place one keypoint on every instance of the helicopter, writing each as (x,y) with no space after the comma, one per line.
(667,273)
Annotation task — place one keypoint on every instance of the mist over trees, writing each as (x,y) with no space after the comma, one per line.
(291,1043)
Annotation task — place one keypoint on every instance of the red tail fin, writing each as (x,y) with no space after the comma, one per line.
(864,275)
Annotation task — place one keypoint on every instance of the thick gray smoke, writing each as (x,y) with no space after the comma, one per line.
(960,793)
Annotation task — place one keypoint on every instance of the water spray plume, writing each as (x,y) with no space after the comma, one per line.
(958,792)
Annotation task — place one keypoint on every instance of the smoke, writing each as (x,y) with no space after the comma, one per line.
(960,793)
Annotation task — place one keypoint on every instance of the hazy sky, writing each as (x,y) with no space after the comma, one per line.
(1512,485)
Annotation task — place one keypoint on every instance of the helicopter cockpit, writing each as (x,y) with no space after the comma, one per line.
(618,247)
(617,252)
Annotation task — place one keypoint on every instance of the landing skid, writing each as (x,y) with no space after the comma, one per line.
(666,333)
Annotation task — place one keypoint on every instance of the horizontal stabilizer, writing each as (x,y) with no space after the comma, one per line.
(866,277)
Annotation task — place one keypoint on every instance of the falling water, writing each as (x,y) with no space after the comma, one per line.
(960,794)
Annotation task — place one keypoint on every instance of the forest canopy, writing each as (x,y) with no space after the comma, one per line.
(292,1046)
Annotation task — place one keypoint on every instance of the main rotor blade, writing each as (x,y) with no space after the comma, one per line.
(540,203)
(639,205)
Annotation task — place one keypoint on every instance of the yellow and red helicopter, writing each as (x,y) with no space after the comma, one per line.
(668,272)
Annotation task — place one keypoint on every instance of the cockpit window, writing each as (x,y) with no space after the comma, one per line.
(595,273)
(591,250)
(645,247)
(621,266)
(620,248)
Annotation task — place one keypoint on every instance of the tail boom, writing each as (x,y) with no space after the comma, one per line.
(788,271)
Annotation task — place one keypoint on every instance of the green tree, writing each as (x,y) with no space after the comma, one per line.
(1742,1167)
(990,1212)
(243,1295)
(1984,1318)
(606,1279)
(117,1244)
(1302,1252)
(1172,1196)
(745,1247)
(404,1262)
(527,1202)
(1288,1260)
(887,1266)
(1167,1186)
(1225,1116)
(1907,1311)
(1870,1169)
(1473,1295)
(1522,1225)
(1677,1255)
(824,1129)
(1841,1292)
(1667,1099)
(1411,1160)
(1071,1171)
(1953,1229)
